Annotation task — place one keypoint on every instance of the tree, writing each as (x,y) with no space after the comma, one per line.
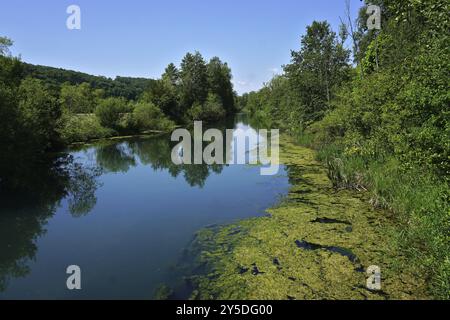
(211,110)
(11,69)
(219,82)
(5,43)
(182,94)
(149,117)
(172,75)
(321,65)
(9,114)
(78,98)
(39,114)
(111,111)
(163,94)
(194,80)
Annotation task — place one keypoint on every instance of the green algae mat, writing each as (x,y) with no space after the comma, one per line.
(317,243)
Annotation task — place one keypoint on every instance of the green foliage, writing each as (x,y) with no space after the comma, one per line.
(317,70)
(111,111)
(164,94)
(172,75)
(5,43)
(81,128)
(39,114)
(52,107)
(306,91)
(383,126)
(199,90)
(10,136)
(211,110)
(195,112)
(149,117)
(419,200)
(194,80)
(128,88)
(219,81)
(78,98)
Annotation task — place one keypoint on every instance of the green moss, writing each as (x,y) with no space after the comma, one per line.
(259,258)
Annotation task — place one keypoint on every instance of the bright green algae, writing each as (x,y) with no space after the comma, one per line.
(316,244)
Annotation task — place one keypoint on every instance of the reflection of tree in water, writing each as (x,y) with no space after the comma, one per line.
(81,189)
(156,153)
(115,158)
(29,198)
(31,193)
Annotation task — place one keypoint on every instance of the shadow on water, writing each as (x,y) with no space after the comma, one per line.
(29,199)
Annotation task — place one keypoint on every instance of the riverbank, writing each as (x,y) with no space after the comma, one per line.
(317,243)
(143,135)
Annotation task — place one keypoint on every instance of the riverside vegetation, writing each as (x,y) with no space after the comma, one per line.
(372,188)
(381,128)
(316,243)
(44,109)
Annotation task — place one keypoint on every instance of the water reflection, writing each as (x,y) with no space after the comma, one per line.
(115,157)
(30,199)
(85,183)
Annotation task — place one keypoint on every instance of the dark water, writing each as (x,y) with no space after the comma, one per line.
(121,211)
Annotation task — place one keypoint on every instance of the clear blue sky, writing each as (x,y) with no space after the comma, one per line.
(140,37)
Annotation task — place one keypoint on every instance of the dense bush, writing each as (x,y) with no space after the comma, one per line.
(111,111)
(147,116)
(81,128)
(39,114)
(79,98)
(211,110)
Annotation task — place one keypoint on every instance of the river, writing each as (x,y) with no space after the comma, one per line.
(122,212)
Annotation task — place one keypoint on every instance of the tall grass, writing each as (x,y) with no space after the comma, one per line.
(419,200)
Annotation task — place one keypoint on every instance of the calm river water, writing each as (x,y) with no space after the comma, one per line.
(123,212)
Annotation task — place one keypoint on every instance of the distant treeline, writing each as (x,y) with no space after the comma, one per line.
(380,122)
(43,109)
(55,78)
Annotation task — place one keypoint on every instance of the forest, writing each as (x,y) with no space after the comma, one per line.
(379,116)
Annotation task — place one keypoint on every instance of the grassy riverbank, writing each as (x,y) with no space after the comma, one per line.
(92,132)
(315,244)
(380,121)
(417,198)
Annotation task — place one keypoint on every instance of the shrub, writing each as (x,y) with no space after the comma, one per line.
(147,116)
(81,128)
(110,111)
(211,110)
